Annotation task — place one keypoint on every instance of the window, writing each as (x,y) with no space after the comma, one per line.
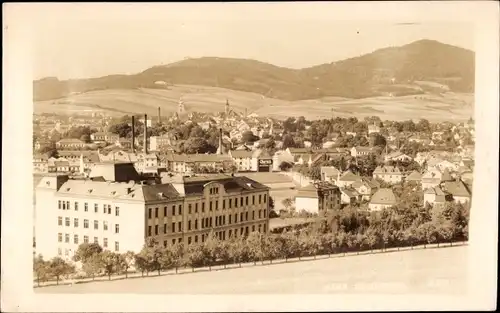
(189,240)
(95,207)
(85,223)
(109,209)
(203,207)
(180,209)
(265,213)
(189,225)
(173,227)
(196,208)
(117,246)
(104,209)
(156,212)
(264,227)
(59,204)
(260,199)
(173,241)
(260,213)
(86,207)
(216,221)
(189,208)
(253,199)
(149,231)
(75,239)
(59,237)
(105,242)
(195,224)
(66,252)
(265,198)
(117,211)
(210,205)
(96,224)
(179,226)
(66,221)
(164,211)
(117,228)
(230,203)
(253,215)
(241,217)
(150,212)
(164,244)
(253,228)
(260,228)
(59,221)
(67,205)
(76,206)
(164,228)
(105,225)
(75,222)
(86,239)
(66,238)
(173,210)
(236,217)
(246,200)
(230,219)
(216,204)
(59,251)
(241,201)
(156,229)
(230,233)
(196,238)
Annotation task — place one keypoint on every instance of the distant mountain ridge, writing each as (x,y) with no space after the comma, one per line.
(393,70)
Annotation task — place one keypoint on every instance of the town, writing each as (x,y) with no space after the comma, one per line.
(153,191)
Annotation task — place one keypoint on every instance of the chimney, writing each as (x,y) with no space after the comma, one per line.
(145,134)
(220,140)
(133,134)
(159,115)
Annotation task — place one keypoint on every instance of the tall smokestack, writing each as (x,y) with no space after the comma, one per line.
(159,115)
(133,134)
(220,141)
(145,133)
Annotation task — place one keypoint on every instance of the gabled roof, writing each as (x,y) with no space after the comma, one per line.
(414,176)
(242,154)
(386,169)
(383,196)
(349,176)
(457,188)
(351,193)
(329,170)
(309,191)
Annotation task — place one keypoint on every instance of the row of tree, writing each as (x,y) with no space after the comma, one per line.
(341,231)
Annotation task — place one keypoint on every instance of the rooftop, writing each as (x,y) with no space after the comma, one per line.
(383,196)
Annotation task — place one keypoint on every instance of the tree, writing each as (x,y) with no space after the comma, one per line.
(287,203)
(110,262)
(254,244)
(288,141)
(141,263)
(127,259)
(372,238)
(59,267)
(93,265)
(41,268)
(210,249)
(237,249)
(249,137)
(222,253)
(285,166)
(411,235)
(447,231)
(315,173)
(427,232)
(86,250)
(177,253)
(195,256)
(197,145)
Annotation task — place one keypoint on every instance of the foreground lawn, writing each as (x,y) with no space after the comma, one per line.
(431,270)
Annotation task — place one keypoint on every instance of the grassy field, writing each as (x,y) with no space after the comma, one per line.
(212,99)
(428,271)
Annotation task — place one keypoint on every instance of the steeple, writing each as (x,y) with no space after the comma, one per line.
(227,107)
(181,108)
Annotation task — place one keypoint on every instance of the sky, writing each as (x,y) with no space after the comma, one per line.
(87,41)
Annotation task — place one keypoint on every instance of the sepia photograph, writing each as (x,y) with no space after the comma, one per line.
(242,149)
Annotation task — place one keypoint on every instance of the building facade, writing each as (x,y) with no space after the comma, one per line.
(120,215)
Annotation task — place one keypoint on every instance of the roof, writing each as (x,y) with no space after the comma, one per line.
(198,158)
(446,176)
(299,150)
(309,191)
(364,149)
(414,176)
(383,196)
(114,171)
(457,188)
(241,154)
(351,193)
(70,140)
(387,169)
(329,170)
(349,176)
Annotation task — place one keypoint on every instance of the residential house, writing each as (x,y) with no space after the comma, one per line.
(124,143)
(347,179)
(146,162)
(329,174)
(242,159)
(70,143)
(243,147)
(158,143)
(389,174)
(281,156)
(40,163)
(420,138)
(436,196)
(366,188)
(104,137)
(317,198)
(349,195)
(262,161)
(445,164)
(397,156)
(187,163)
(431,178)
(458,190)
(383,198)
(414,176)
(372,129)
(328,144)
(363,151)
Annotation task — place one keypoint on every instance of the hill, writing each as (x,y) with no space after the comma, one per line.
(411,69)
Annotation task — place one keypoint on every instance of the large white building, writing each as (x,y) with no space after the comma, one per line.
(116,210)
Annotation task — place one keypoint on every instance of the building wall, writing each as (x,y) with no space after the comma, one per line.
(377,207)
(390,178)
(429,197)
(462,199)
(310,205)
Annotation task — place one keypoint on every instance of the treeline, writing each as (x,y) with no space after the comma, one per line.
(343,231)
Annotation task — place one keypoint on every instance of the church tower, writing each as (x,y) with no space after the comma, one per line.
(181,109)
(227,107)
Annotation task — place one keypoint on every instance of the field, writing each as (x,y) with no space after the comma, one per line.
(211,99)
(413,271)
